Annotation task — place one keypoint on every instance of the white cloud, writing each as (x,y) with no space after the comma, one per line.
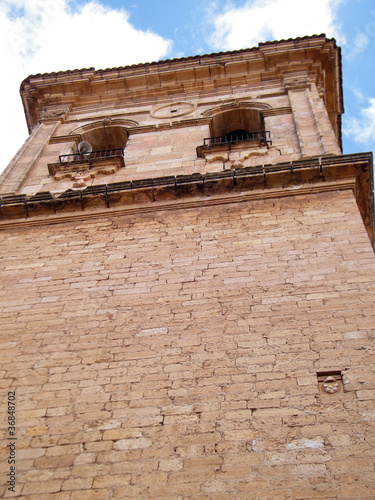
(263,20)
(40,36)
(358,45)
(362,129)
(357,92)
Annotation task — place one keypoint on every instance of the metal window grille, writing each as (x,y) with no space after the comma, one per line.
(93,155)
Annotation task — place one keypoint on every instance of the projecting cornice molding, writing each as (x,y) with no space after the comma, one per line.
(263,65)
(328,173)
(77,213)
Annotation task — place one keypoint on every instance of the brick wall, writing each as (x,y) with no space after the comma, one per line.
(175,354)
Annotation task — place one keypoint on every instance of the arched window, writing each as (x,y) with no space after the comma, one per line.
(106,137)
(236,122)
(247,119)
(239,124)
(102,139)
(92,149)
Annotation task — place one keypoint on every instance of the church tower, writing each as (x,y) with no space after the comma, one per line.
(187,283)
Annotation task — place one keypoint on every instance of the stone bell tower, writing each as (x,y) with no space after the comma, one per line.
(187,283)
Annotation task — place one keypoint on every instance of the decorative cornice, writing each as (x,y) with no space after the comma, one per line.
(268,48)
(172,205)
(228,186)
(187,76)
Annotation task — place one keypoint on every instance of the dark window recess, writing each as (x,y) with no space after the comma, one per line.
(263,137)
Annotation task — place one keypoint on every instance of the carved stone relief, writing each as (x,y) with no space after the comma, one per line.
(217,156)
(173,110)
(245,155)
(330,383)
(53,114)
(81,172)
(81,177)
(297,83)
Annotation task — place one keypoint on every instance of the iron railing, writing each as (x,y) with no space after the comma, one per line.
(263,137)
(94,155)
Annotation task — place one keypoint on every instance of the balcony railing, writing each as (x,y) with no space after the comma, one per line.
(94,155)
(263,136)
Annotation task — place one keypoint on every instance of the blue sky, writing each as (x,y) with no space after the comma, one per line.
(39,36)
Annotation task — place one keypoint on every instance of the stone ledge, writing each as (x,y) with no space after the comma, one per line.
(92,167)
(288,177)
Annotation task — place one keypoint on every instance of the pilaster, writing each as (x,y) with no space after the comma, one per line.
(309,140)
(19,169)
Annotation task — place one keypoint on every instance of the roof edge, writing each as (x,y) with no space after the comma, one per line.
(175,60)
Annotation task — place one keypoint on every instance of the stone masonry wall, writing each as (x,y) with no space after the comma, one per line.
(175,354)
(297,122)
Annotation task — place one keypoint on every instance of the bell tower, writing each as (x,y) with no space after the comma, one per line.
(187,274)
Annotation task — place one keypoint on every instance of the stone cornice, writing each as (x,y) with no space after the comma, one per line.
(228,186)
(172,205)
(268,48)
(262,64)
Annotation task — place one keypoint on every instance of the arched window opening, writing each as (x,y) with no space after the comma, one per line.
(91,150)
(105,140)
(237,124)
(106,137)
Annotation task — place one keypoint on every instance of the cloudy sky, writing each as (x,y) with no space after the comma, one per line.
(38,36)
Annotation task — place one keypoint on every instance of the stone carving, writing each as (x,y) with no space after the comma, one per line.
(82,172)
(55,114)
(297,83)
(217,156)
(257,152)
(81,177)
(237,164)
(173,110)
(330,385)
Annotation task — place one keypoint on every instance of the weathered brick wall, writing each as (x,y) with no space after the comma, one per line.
(175,354)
